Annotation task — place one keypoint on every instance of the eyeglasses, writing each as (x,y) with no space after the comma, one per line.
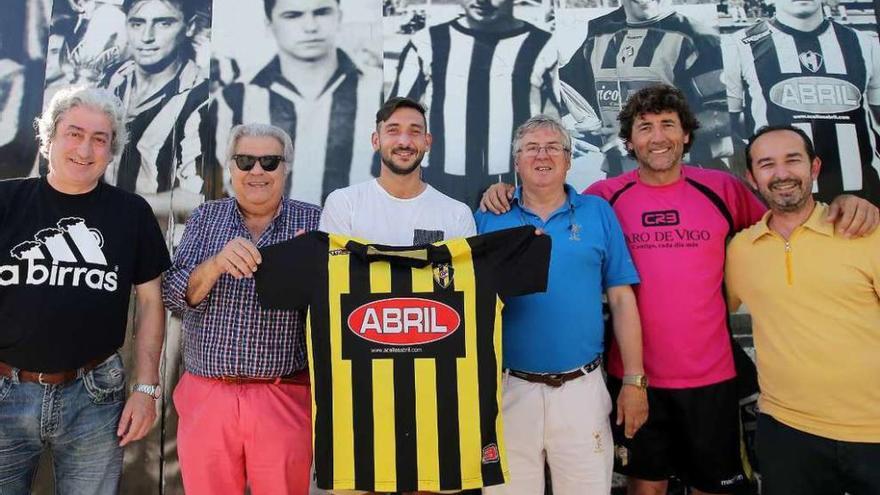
(533,150)
(246,162)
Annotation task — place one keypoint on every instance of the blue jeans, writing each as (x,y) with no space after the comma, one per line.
(76,421)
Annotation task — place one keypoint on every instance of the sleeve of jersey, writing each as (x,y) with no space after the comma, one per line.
(544,75)
(731,273)
(705,68)
(733,77)
(520,260)
(191,157)
(600,188)
(618,268)
(748,209)
(466,226)
(872,46)
(223,113)
(411,79)
(287,274)
(152,258)
(578,76)
(336,215)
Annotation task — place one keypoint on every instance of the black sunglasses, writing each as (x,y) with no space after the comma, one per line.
(246,162)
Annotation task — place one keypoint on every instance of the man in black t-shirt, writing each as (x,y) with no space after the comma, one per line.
(71,249)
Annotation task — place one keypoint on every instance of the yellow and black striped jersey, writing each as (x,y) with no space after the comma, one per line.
(405,353)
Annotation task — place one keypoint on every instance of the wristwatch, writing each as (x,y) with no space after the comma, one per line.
(154,391)
(640,381)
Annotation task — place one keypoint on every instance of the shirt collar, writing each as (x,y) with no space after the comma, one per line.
(570,193)
(816,222)
(238,217)
(271,73)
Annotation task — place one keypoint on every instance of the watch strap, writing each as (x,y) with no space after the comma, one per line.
(151,390)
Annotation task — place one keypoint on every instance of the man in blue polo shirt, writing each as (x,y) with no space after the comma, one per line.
(555,403)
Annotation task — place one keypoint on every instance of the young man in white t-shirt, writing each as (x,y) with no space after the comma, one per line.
(397,208)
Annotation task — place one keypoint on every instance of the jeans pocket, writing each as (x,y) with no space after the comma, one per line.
(106,383)
(5,387)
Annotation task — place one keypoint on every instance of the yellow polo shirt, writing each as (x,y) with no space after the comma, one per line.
(815,305)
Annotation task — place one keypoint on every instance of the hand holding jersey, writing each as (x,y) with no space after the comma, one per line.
(398,208)
(239,258)
(404,353)
(548,422)
(241,360)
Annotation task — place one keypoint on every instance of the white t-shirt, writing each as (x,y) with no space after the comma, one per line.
(368,212)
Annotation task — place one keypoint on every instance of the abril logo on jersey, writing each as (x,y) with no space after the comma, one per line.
(660,218)
(816,94)
(404,321)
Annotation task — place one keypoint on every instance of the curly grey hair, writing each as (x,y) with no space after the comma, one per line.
(260,130)
(76,96)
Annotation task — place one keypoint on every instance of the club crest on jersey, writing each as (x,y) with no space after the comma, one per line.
(491,454)
(811,60)
(443,273)
(404,321)
(628,52)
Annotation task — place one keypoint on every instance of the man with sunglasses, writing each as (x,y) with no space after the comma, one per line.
(244,401)
(555,403)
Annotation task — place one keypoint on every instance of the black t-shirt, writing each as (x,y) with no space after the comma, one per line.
(404,351)
(67,266)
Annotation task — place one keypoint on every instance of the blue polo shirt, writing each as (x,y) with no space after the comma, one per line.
(562,329)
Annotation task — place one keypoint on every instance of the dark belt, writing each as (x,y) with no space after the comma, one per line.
(300,377)
(557,379)
(57,378)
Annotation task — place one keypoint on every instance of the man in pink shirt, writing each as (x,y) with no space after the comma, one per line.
(677,220)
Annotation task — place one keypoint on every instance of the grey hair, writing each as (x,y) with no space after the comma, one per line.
(82,96)
(260,130)
(541,121)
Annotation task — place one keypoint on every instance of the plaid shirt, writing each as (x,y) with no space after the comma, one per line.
(229,333)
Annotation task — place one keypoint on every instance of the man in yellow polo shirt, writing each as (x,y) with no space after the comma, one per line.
(814,297)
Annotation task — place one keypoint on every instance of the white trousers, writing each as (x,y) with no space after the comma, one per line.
(566,426)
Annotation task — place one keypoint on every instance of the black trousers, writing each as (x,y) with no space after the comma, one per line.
(794,462)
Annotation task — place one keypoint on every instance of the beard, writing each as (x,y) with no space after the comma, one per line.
(389,161)
(791,202)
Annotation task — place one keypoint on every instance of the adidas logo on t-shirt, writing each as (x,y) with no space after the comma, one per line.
(62,256)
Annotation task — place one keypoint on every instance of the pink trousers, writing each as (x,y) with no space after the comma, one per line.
(231,435)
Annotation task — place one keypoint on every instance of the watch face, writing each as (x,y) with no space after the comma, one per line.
(153,391)
(640,381)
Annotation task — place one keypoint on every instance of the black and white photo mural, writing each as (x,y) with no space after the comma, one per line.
(188,70)
(312,68)
(608,52)
(482,68)
(817,66)
(153,55)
